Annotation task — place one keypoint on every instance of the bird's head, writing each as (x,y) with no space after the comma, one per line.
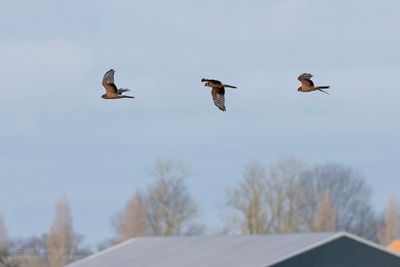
(207,84)
(299,89)
(104,96)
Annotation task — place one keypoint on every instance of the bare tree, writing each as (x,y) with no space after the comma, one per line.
(350,194)
(223,231)
(284,195)
(295,200)
(61,241)
(107,243)
(31,252)
(269,201)
(390,229)
(3,234)
(133,219)
(3,243)
(249,199)
(6,258)
(170,208)
(325,214)
(32,261)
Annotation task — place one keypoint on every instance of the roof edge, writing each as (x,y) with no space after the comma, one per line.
(105,251)
(329,239)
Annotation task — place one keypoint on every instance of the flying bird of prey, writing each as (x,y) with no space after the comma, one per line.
(217,92)
(307,84)
(112,92)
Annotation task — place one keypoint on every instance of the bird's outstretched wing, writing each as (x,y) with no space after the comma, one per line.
(218,95)
(109,76)
(305,79)
(123,90)
(108,82)
(211,80)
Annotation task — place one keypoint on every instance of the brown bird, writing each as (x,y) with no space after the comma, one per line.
(307,84)
(112,92)
(217,92)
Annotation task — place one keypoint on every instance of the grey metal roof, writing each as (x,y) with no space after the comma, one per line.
(215,251)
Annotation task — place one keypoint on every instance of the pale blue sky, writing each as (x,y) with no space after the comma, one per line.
(58,136)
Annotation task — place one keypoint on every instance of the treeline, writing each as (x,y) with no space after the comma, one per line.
(287,197)
(58,247)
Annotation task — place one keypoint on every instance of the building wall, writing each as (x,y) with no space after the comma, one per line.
(342,252)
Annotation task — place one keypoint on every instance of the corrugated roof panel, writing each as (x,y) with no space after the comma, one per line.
(216,251)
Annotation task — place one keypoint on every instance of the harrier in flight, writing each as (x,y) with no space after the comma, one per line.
(307,85)
(217,92)
(112,92)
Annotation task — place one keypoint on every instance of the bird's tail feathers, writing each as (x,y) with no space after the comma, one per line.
(126,96)
(323,87)
(229,86)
